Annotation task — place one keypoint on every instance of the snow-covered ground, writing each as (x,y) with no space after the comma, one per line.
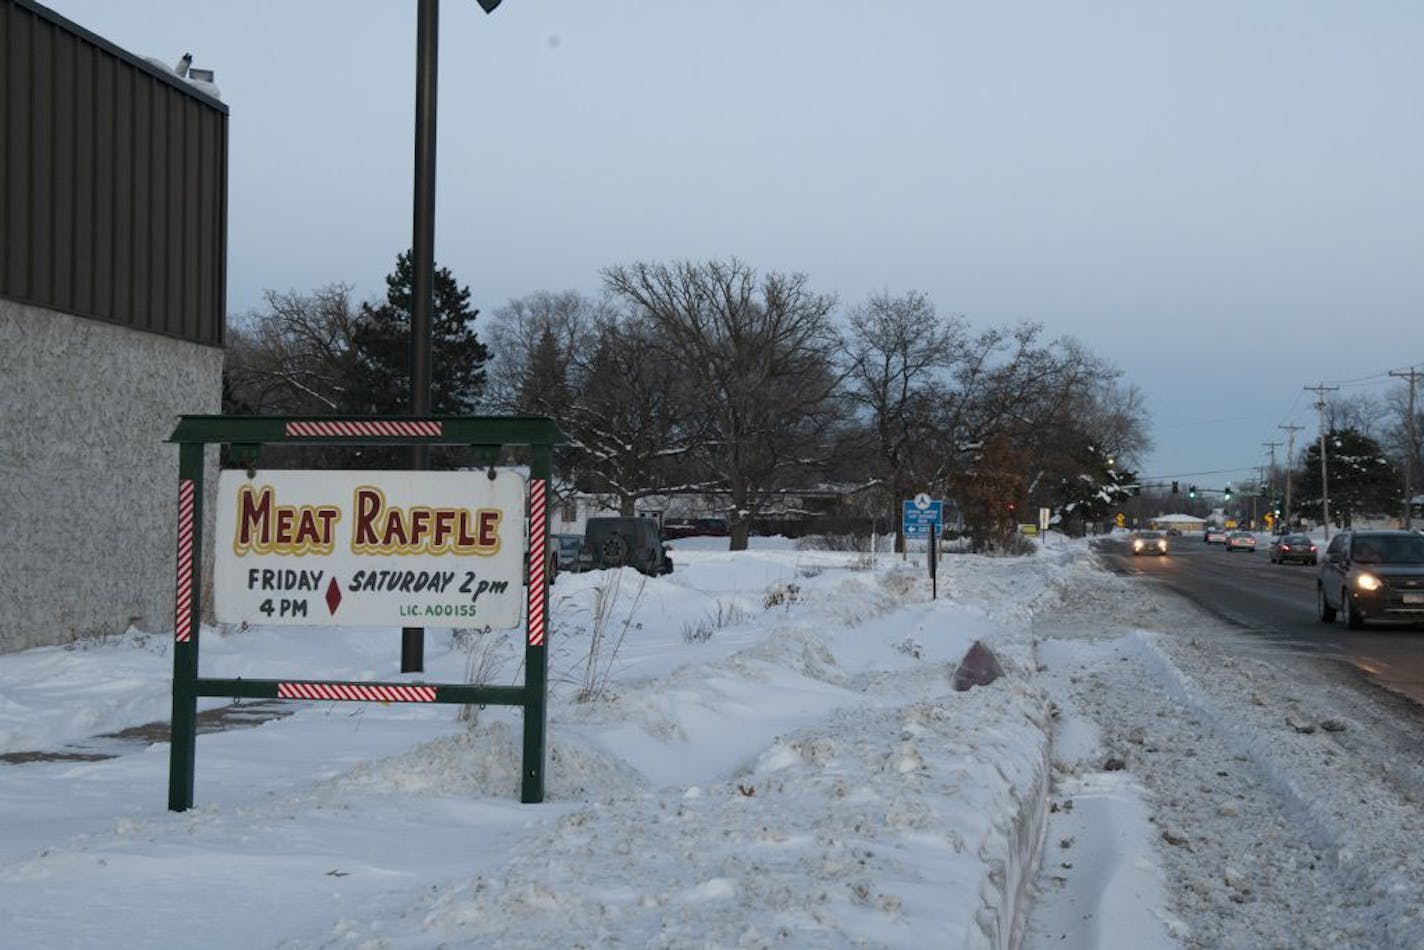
(765,750)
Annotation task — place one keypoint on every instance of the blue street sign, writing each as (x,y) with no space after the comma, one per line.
(919,515)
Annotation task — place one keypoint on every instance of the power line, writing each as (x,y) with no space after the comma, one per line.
(1359,379)
(1207,422)
(1215,471)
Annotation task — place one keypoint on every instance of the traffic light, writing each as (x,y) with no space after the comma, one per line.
(1174,488)
(1226,495)
(1192,492)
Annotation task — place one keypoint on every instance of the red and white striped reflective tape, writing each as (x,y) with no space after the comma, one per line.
(183,596)
(371,428)
(378,694)
(536,562)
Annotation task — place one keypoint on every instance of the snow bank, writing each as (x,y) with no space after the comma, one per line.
(768,750)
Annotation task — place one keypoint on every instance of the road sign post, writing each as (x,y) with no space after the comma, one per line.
(922,519)
(919,514)
(934,562)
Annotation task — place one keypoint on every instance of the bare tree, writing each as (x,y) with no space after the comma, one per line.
(1114,417)
(898,354)
(293,355)
(536,343)
(628,416)
(756,355)
(1052,400)
(1364,413)
(1401,437)
(613,392)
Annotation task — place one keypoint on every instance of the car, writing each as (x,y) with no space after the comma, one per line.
(1215,536)
(565,548)
(1240,541)
(1294,547)
(1149,542)
(624,542)
(1372,576)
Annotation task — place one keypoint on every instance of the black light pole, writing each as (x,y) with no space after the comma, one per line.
(422,302)
(422,305)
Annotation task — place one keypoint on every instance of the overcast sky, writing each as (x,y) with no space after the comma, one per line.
(1225,199)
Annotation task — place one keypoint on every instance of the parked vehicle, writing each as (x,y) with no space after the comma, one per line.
(565,548)
(1372,576)
(624,542)
(1293,547)
(696,528)
(1241,541)
(1149,542)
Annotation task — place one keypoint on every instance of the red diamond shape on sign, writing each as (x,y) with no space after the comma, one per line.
(333,596)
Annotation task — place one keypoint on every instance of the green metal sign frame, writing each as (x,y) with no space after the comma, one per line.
(245,434)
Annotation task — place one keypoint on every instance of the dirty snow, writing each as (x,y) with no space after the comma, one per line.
(765,751)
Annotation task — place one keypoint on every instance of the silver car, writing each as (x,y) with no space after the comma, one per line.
(1241,541)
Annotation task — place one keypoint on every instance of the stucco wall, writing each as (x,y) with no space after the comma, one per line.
(88,485)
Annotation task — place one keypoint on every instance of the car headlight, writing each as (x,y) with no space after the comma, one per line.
(1137,545)
(1367,582)
(1161,545)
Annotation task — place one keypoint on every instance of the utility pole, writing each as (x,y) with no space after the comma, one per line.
(1320,390)
(1413,377)
(1272,446)
(1260,477)
(1290,461)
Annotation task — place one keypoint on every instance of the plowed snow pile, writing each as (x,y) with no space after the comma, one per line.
(761,749)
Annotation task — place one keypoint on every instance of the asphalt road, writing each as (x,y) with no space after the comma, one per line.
(1276,602)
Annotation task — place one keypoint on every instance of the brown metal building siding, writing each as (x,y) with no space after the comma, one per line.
(113,192)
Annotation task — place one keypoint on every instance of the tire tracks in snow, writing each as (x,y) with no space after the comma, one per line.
(1284,798)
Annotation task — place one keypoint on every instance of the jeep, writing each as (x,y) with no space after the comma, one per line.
(624,542)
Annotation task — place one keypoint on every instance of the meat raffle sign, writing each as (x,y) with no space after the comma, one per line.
(376,548)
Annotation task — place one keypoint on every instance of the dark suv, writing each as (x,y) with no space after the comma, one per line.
(1372,576)
(624,542)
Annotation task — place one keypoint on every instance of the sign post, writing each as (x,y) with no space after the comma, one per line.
(919,514)
(922,518)
(385,546)
(934,562)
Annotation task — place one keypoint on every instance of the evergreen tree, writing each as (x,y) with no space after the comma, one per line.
(380,382)
(1081,482)
(380,377)
(544,389)
(1362,481)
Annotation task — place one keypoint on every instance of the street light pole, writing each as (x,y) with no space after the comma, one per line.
(422,257)
(423,239)
(427,52)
